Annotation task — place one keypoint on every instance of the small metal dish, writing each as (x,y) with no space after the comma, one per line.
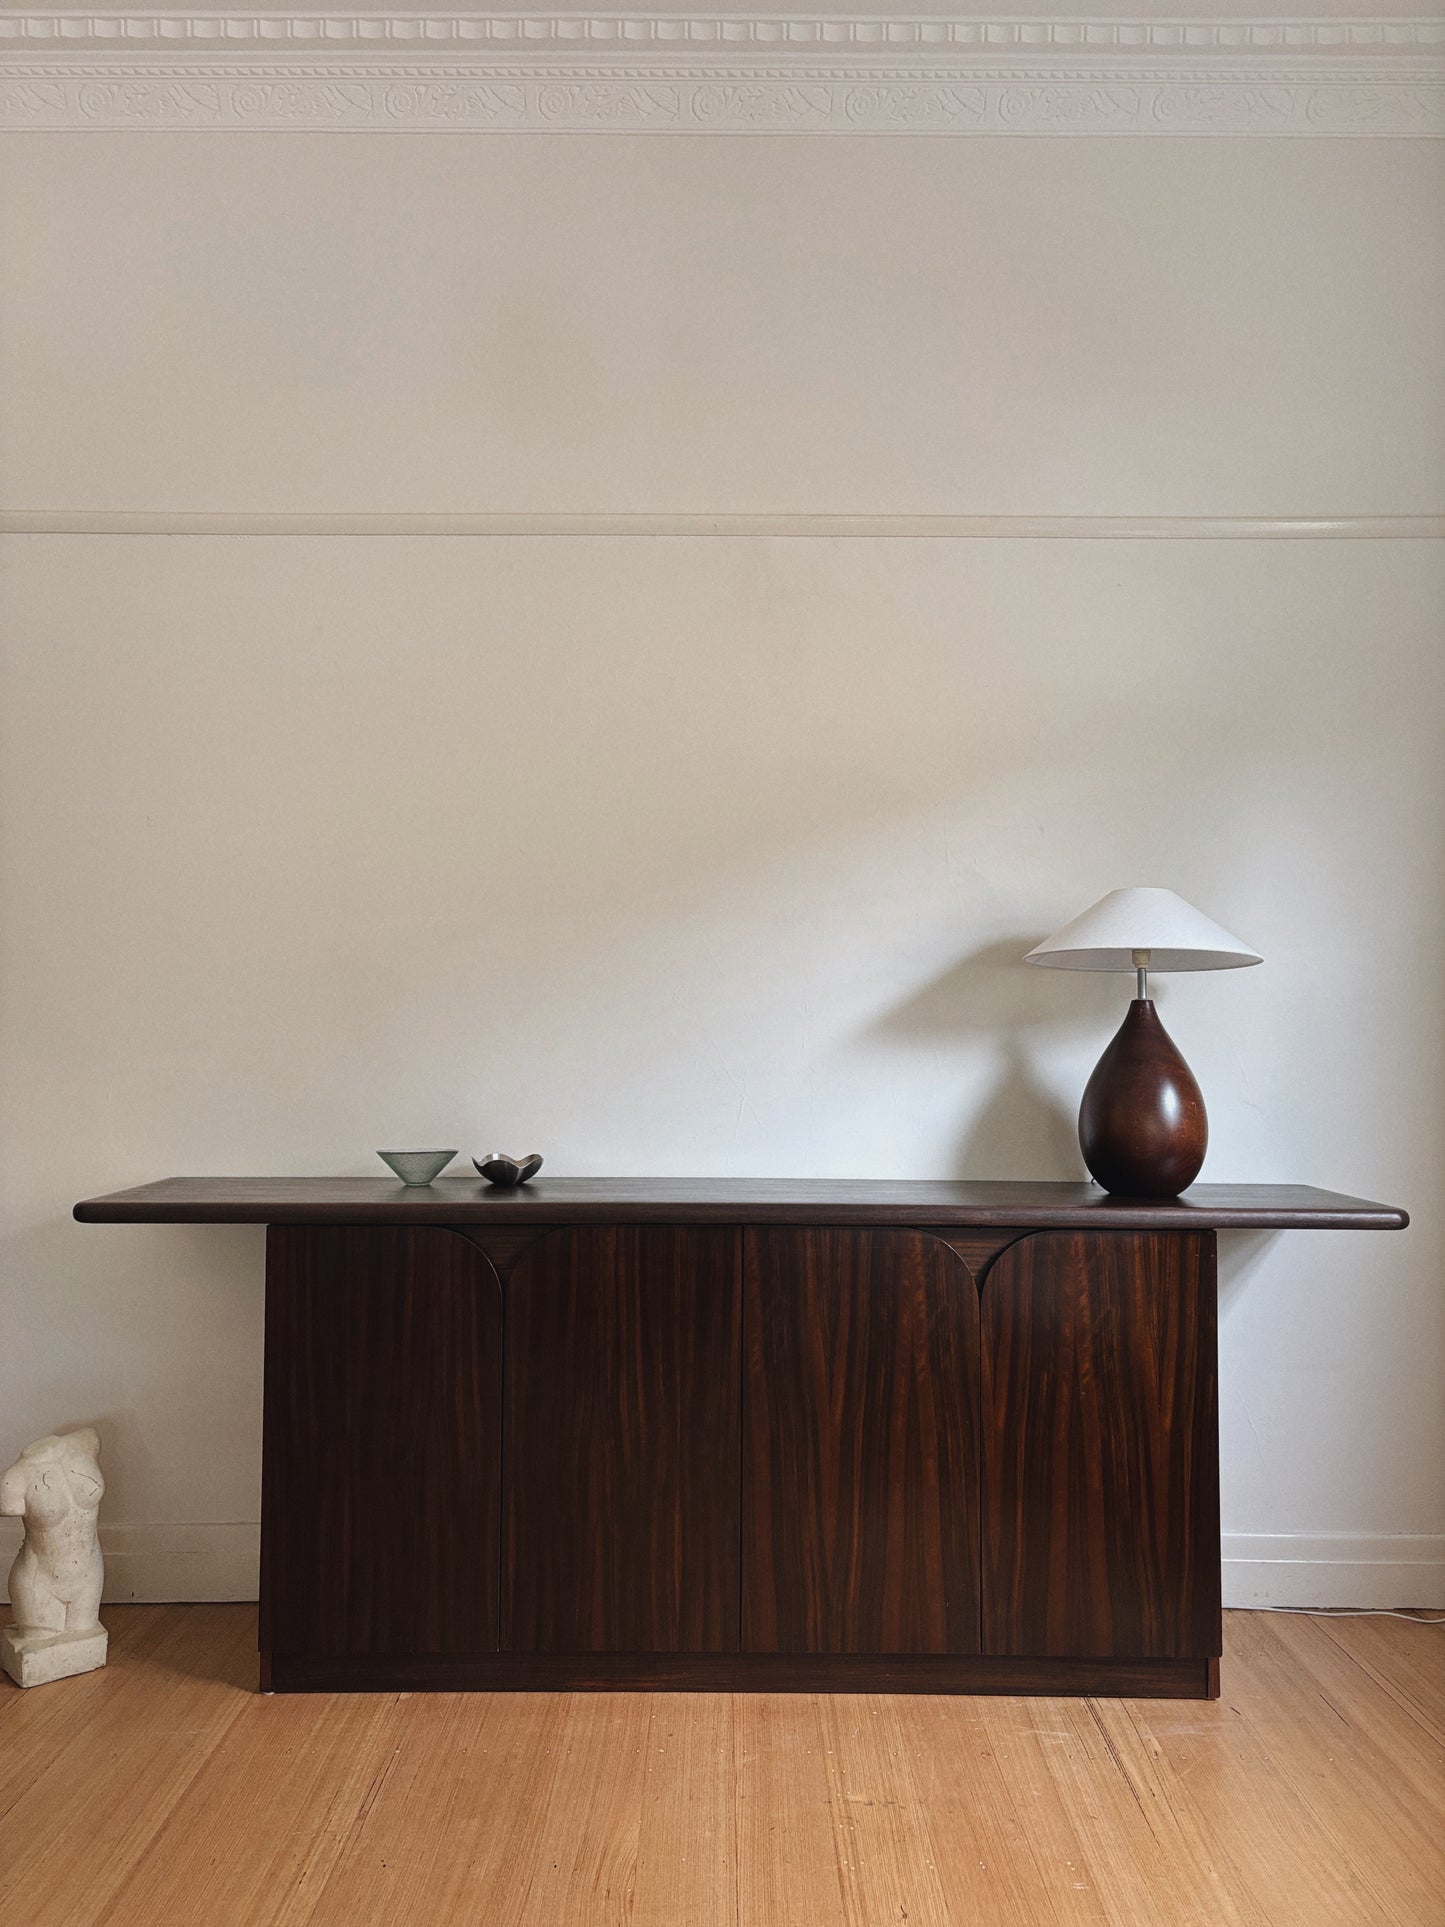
(500,1169)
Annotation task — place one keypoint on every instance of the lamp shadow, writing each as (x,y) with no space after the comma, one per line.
(1022,1128)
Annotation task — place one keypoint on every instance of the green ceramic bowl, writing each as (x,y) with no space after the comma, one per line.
(417,1167)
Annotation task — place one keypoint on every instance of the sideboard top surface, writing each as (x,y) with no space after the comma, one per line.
(863,1201)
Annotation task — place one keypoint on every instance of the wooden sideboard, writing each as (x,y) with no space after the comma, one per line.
(911,1437)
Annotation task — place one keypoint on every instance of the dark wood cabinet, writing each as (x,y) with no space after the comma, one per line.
(381,1462)
(1101,1481)
(621,1443)
(887,1437)
(861,1445)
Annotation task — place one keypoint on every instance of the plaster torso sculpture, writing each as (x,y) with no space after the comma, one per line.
(55,1486)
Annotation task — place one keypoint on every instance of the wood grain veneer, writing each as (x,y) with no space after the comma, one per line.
(1101,1469)
(861,1444)
(381,1465)
(469,1201)
(1142,1124)
(621,1442)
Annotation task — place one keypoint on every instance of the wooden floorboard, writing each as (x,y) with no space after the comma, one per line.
(164,1792)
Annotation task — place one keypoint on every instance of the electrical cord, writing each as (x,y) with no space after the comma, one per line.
(1352,1612)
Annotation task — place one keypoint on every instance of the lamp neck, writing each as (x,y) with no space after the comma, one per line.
(1141,975)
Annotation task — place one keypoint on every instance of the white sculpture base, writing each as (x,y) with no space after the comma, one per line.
(33,1659)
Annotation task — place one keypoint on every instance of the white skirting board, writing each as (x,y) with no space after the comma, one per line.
(204,1560)
(1333,1569)
(219,1561)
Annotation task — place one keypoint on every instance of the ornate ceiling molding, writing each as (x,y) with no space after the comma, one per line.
(723,74)
(729,32)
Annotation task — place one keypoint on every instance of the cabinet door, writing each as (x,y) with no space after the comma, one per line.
(1101,1495)
(860,1448)
(621,1443)
(381,1502)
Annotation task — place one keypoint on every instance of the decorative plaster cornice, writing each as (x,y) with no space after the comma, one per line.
(664,73)
(598,99)
(727,33)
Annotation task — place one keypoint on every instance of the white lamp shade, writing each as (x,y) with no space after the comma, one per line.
(1173,932)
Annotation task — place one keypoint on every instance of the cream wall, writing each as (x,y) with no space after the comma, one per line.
(564,323)
(714,854)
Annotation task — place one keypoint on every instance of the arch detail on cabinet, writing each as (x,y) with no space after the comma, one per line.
(503,1244)
(978,1249)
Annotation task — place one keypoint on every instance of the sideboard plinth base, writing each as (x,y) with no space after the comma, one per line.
(743,1673)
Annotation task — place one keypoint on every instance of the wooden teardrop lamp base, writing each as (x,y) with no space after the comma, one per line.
(1142,1126)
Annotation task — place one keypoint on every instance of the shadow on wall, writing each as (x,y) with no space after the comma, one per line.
(1241,1255)
(1022,1129)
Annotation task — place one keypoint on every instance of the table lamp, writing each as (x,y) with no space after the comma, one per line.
(1142,1126)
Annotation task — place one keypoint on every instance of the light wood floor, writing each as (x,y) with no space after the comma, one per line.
(164,1790)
